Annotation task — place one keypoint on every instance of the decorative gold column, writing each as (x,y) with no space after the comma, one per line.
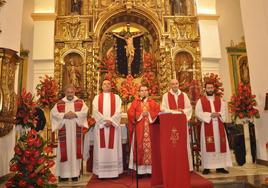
(8,65)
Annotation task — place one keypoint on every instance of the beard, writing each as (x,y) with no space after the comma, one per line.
(210,93)
(69,98)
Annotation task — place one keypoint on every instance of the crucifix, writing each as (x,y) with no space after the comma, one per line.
(129,47)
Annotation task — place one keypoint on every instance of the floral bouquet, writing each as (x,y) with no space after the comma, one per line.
(31,163)
(149,79)
(47,91)
(25,116)
(128,90)
(242,104)
(193,90)
(215,79)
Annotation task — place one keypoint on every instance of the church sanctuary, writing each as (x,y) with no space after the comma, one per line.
(134,93)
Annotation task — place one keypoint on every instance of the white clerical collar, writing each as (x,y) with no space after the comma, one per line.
(173,93)
(144,100)
(210,97)
(66,100)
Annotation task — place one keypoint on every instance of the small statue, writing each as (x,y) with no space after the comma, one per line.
(130,49)
(76,6)
(178,7)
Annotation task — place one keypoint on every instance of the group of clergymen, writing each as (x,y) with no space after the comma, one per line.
(69,116)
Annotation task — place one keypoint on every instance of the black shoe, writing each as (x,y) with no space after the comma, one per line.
(63,179)
(206,171)
(75,179)
(222,170)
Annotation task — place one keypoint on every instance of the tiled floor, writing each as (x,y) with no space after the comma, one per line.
(253,174)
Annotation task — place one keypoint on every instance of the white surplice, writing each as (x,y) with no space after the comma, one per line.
(212,160)
(187,111)
(71,167)
(107,163)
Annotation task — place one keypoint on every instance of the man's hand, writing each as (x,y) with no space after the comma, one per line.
(215,114)
(70,115)
(180,110)
(144,114)
(108,123)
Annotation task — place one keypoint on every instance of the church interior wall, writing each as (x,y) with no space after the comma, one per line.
(230,28)
(43,41)
(206,6)
(27,38)
(254,17)
(11,24)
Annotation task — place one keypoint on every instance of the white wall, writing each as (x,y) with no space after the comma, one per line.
(254,17)
(230,28)
(43,42)
(27,37)
(10,23)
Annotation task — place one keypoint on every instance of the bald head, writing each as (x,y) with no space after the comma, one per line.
(174,85)
(69,92)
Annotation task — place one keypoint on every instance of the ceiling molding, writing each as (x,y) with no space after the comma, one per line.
(208,17)
(43,16)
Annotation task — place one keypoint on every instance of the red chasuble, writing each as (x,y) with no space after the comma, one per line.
(143,128)
(78,104)
(172,102)
(112,129)
(209,135)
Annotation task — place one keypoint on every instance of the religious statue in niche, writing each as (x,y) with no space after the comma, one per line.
(129,52)
(178,7)
(244,70)
(184,67)
(76,6)
(73,70)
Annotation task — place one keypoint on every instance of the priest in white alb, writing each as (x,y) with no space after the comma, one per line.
(215,152)
(107,155)
(68,117)
(176,101)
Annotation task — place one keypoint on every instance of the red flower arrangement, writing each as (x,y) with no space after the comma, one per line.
(26,110)
(47,90)
(214,78)
(31,163)
(128,90)
(91,121)
(193,90)
(149,78)
(242,104)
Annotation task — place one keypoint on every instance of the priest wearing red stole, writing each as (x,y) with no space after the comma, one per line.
(215,152)
(68,117)
(142,112)
(107,154)
(176,101)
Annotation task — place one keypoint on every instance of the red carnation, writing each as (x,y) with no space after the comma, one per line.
(50,163)
(38,142)
(17,150)
(39,181)
(52,178)
(14,168)
(48,149)
(41,160)
(10,182)
(22,183)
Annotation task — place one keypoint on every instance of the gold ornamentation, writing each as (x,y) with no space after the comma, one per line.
(8,65)
(210,139)
(84,34)
(174,136)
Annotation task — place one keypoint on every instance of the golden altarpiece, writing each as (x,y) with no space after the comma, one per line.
(126,41)
(160,37)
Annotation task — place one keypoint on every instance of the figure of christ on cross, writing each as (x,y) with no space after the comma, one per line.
(130,49)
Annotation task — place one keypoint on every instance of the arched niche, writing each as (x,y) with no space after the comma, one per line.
(73,71)
(184,69)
